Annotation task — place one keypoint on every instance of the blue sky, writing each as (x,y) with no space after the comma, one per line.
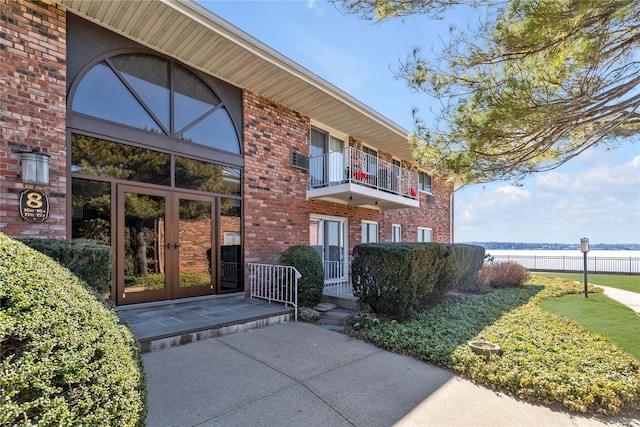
(595,195)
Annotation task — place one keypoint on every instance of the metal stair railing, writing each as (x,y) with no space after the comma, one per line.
(277,283)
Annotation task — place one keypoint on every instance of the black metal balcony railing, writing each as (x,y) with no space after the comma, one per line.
(355,166)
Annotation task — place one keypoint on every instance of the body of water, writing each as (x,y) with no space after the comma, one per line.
(598,261)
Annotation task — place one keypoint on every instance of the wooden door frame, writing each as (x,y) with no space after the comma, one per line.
(172,288)
(179,292)
(122,298)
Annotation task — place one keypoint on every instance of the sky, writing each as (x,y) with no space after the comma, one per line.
(594,195)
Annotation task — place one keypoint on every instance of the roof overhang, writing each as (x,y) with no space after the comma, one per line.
(194,35)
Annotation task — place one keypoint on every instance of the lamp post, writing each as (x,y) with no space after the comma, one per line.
(584,247)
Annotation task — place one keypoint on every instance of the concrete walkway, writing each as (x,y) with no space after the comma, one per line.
(631,299)
(298,374)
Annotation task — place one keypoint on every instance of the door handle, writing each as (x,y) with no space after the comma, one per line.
(172,245)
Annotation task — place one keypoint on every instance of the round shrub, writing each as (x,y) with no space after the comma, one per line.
(66,358)
(503,275)
(309,264)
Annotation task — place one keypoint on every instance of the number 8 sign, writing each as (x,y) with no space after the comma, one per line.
(34,206)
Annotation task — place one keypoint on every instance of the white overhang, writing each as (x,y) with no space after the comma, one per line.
(194,35)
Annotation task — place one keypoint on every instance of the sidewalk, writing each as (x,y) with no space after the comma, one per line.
(631,299)
(294,374)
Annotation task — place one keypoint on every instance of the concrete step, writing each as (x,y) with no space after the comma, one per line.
(345,301)
(185,337)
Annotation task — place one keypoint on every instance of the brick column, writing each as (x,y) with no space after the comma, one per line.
(32,109)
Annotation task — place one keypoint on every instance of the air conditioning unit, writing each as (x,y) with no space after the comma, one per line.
(300,161)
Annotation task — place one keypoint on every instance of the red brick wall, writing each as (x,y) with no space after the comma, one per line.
(33,113)
(275,206)
(434,215)
(276,211)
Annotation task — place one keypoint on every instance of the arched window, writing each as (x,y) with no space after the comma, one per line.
(157,95)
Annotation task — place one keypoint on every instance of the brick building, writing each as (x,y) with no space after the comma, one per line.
(193,149)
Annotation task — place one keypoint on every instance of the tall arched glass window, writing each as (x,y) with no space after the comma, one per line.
(157,95)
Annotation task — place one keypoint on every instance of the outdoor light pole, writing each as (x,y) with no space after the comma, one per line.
(584,247)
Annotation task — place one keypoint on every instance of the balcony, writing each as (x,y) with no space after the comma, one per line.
(355,178)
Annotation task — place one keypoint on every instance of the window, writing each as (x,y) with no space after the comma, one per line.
(424,183)
(425,235)
(231,238)
(369,232)
(396,233)
(159,96)
(327,158)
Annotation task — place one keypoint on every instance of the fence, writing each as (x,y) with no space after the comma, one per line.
(278,283)
(336,283)
(595,264)
(355,166)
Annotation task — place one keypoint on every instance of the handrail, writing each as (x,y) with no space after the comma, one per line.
(355,166)
(278,283)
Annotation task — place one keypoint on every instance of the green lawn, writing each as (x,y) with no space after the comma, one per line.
(601,315)
(620,281)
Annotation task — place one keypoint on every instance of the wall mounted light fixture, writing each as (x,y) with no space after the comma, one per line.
(35,167)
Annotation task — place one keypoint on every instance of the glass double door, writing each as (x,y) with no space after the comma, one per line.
(165,246)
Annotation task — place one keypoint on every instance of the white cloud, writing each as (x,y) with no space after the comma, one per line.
(600,201)
(607,179)
(512,194)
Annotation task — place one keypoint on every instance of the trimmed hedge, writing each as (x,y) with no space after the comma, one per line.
(395,278)
(87,260)
(468,264)
(66,358)
(309,264)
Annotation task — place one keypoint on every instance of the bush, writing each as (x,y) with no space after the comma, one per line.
(503,275)
(89,261)
(309,315)
(309,264)
(395,278)
(66,358)
(468,263)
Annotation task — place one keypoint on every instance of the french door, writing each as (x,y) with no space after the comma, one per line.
(165,245)
(328,237)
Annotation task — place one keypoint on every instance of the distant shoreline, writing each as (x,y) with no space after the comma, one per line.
(556,246)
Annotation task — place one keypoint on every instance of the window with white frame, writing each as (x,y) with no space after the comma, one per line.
(425,235)
(396,233)
(327,158)
(328,235)
(369,232)
(424,182)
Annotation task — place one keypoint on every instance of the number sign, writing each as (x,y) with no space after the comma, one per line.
(34,206)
